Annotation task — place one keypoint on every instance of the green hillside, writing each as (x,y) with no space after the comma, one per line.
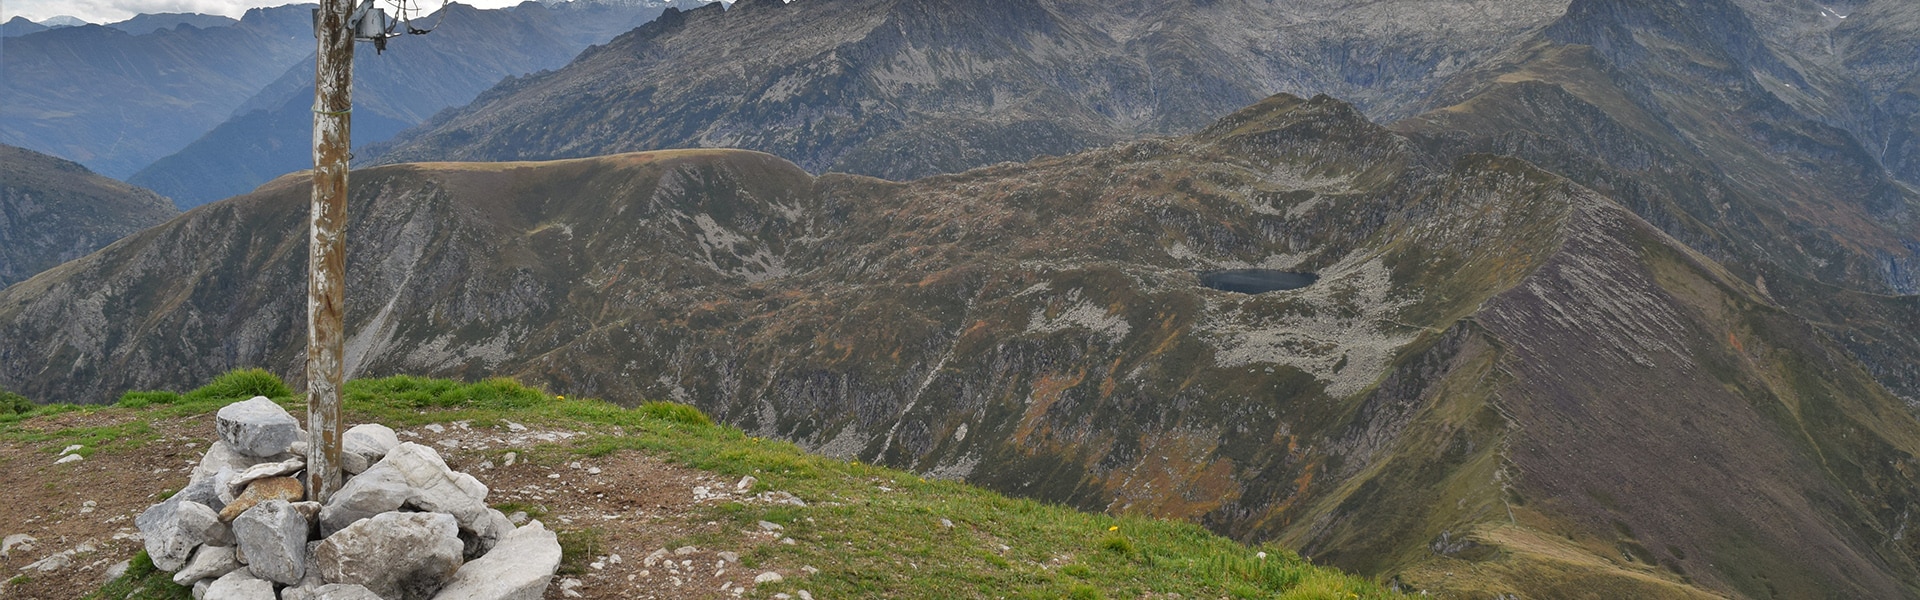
(859,523)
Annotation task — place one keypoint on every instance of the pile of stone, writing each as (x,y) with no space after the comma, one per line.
(403,526)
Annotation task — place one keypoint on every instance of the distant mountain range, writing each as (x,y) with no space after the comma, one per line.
(149,23)
(20,26)
(472,49)
(122,97)
(1502,381)
(909,88)
(116,101)
(54,210)
(1614,298)
(138,25)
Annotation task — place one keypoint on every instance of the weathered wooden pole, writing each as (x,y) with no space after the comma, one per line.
(327,248)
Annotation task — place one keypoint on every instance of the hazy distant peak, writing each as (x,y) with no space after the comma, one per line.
(64,21)
(142,24)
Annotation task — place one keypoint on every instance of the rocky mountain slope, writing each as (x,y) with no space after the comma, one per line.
(1700,119)
(1502,381)
(115,101)
(418,76)
(909,88)
(53,211)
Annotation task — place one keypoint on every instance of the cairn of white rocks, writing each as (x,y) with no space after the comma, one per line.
(403,526)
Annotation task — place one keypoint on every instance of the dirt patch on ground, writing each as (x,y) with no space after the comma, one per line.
(618,509)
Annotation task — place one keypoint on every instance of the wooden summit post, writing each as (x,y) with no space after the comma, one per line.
(327,246)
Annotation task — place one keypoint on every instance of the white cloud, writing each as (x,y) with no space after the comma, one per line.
(108,11)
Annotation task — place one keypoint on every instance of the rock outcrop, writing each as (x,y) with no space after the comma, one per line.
(257,428)
(359,545)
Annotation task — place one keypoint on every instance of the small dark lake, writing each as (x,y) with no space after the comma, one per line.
(1254,281)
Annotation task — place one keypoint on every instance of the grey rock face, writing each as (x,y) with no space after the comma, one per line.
(399,556)
(239,585)
(238,483)
(173,528)
(220,457)
(208,562)
(365,444)
(369,440)
(257,427)
(343,591)
(518,568)
(414,475)
(274,537)
(312,581)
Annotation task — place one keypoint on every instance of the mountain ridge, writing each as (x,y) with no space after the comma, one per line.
(115,101)
(1442,399)
(268,135)
(918,88)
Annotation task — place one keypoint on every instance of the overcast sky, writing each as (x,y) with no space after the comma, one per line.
(108,11)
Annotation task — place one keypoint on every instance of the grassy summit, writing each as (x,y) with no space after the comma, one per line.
(868,531)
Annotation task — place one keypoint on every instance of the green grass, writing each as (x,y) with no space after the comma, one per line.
(142,582)
(871,531)
(13,404)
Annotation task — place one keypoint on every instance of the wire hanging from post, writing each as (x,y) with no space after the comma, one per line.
(370,22)
(417,10)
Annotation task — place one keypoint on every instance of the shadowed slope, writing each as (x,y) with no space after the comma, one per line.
(53,211)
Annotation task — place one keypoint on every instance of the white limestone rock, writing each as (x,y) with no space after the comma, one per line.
(257,427)
(172,529)
(274,538)
(518,568)
(414,476)
(21,541)
(336,591)
(240,585)
(237,484)
(220,457)
(399,556)
(208,562)
(311,583)
(370,440)
(365,444)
